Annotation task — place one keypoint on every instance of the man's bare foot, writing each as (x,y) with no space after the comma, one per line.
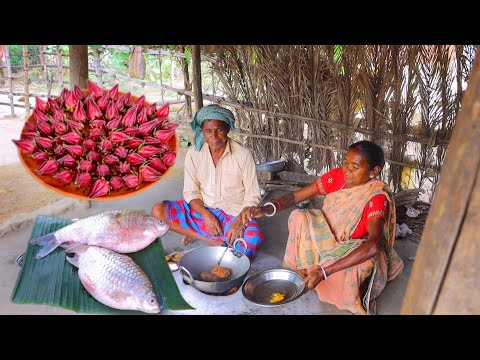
(187,240)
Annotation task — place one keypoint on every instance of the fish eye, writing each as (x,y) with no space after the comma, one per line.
(162,222)
(152,301)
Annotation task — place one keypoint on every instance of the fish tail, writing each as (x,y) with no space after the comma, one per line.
(47,244)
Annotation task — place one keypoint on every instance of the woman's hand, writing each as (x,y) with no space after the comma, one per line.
(313,278)
(260,211)
(212,224)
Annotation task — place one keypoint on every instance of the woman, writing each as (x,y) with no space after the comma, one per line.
(345,251)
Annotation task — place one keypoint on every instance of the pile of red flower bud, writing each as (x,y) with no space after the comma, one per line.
(99,142)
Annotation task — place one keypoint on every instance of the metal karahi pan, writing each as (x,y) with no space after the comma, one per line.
(205,258)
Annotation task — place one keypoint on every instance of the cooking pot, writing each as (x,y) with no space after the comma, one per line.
(205,258)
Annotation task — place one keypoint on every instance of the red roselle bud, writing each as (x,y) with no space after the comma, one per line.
(43,142)
(118,136)
(68,161)
(142,117)
(40,104)
(126,99)
(123,168)
(71,100)
(150,111)
(135,159)
(130,117)
(62,97)
(100,188)
(60,150)
(49,167)
(113,93)
(53,105)
(39,116)
(75,150)
(72,138)
(102,103)
(119,104)
(121,152)
(132,131)
(78,92)
(164,135)
(58,115)
(97,123)
(83,180)
(149,174)
(27,147)
(131,180)
(157,164)
(45,128)
(105,146)
(64,177)
(94,89)
(134,143)
(168,125)
(116,182)
(79,113)
(60,127)
(85,165)
(114,123)
(169,158)
(93,112)
(163,111)
(111,160)
(40,157)
(140,102)
(103,170)
(29,135)
(31,126)
(89,144)
(75,125)
(96,133)
(146,128)
(150,140)
(94,156)
(112,111)
(148,151)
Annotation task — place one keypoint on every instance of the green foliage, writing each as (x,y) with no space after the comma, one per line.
(16,55)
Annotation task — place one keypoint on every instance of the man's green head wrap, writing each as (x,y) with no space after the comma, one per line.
(210,112)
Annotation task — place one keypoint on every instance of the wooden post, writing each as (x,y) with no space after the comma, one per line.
(98,70)
(444,277)
(187,85)
(78,66)
(197,77)
(26,81)
(10,80)
(161,76)
(59,67)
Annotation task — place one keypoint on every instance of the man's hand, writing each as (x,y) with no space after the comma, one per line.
(235,231)
(212,224)
(313,278)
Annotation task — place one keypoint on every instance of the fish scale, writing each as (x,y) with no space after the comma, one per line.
(114,279)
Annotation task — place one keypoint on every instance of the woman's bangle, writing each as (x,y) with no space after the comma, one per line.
(277,204)
(324,273)
(274,208)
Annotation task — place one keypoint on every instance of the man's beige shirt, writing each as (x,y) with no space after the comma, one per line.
(230,186)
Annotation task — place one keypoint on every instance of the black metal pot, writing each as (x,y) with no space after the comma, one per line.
(204,259)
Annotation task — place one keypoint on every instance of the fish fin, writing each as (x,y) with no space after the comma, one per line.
(76,248)
(48,243)
(72,260)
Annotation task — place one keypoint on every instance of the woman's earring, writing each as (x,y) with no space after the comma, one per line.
(371,176)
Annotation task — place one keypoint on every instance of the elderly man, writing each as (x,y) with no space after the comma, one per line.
(220,186)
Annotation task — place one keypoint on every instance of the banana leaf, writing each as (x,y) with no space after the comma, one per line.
(54,281)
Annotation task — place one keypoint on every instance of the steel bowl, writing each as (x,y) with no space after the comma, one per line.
(258,288)
(271,166)
(204,259)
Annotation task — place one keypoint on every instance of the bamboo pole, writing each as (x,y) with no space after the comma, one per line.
(26,81)
(197,77)
(98,71)
(45,69)
(59,66)
(187,85)
(161,76)
(10,82)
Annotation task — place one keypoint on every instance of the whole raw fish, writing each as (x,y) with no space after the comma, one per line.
(123,231)
(114,279)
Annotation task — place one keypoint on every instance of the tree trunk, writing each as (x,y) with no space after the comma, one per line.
(78,66)
(197,77)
